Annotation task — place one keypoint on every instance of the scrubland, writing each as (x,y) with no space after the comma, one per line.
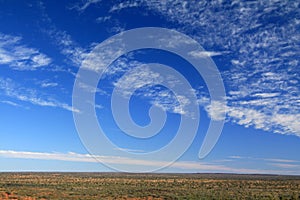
(29,186)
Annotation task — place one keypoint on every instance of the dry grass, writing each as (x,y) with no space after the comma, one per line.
(29,186)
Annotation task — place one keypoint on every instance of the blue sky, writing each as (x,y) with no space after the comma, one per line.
(254,45)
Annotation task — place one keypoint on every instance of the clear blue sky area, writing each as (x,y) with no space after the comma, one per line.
(253,44)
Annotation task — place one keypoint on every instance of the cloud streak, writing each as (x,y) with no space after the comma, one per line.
(183,165)
(278,163)
(85,4)
(201,54)
(19,56)
(144,81)
(12,90)
(263,76)
(261,55)
(67,46)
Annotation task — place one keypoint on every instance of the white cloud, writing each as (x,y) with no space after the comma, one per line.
(130,150)
(178,165)
(129,75)
(235,157)
(266,95)
(137,78)
(264,74)
(67,46)
(285,165)
(264,70)
(12,90)
(238,62)
(278,163)
(48,156)
(41,60)
(253,113)
(103,19)
(11,103)
(98,61)
(281,160)
(85,4)
(144,81)
(263,77)
(99,106)
(269,160)
(123,5)
(47,84)
(216,110)
(248,117)
(200,54)
(18,56)
(91,89)
(256,102)
(120,66)
(289,123)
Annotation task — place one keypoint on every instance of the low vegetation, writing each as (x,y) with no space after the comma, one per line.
(29,186)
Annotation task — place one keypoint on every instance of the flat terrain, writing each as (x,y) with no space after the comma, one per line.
(146,186)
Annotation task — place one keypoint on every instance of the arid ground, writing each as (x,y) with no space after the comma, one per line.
(147,186)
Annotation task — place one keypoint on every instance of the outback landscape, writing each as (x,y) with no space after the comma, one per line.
(28,186)
(94,86)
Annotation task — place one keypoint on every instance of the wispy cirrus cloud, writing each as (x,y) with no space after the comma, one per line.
(144,81)
(103,19)
(200,54)
(129,75)
(181,165)
(258,43)
(12,103)
(277,163)
(124,5)
(84,5)
(285,165)
(263,76)
(256,114)
(19,56)
(216,110)
(68,47)
(281,160)
(12,90)
(48,84)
